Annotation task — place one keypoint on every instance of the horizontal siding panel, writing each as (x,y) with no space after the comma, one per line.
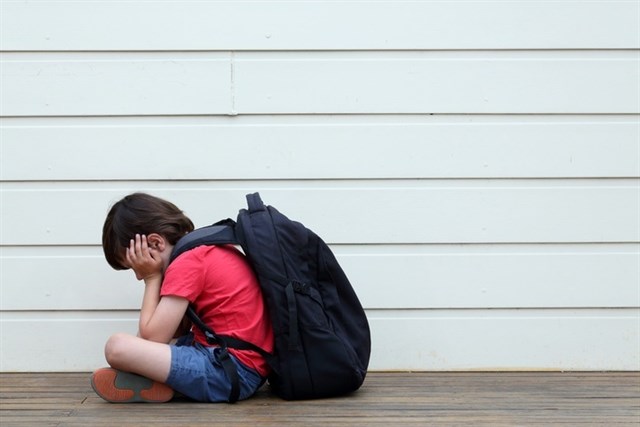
(384,277)
(305,148)
(455,213)
(304,25)
(61,283)
(59,342)
(434,340)
(495,280)
(506,340)
(123,84)
(427,82)
(172,83)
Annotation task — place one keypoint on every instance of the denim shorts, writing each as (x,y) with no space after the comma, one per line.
(197,373)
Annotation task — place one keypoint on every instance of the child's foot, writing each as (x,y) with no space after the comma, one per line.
(119,387)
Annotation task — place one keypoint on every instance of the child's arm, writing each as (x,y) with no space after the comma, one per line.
(184,327)
(159,317)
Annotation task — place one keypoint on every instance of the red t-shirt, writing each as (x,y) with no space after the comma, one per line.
(225,293)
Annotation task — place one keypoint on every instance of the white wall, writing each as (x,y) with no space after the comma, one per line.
(474,165)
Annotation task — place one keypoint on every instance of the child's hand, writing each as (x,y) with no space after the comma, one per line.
(144,261)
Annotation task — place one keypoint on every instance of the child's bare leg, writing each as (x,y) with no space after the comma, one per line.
(133,354)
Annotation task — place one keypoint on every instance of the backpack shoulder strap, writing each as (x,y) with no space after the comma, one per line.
(220,233)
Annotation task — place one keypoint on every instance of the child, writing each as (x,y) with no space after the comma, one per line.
(139,233)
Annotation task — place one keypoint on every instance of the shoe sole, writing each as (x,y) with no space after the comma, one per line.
(123,387)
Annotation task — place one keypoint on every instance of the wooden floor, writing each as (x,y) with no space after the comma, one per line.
(388,399)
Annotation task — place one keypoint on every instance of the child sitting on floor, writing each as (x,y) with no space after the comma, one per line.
(139,233)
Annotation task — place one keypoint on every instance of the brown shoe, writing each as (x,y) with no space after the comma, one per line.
(120,387)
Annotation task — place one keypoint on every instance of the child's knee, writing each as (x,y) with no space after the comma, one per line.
(115,348)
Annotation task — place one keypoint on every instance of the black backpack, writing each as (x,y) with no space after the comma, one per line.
(322,337)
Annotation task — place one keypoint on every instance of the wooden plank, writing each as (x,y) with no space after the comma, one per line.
(88,84)
(384,277)
(292,147)
(435,82)
(543,398)
(444,340)
(280,25)
(400,212)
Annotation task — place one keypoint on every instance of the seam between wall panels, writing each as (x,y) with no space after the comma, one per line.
(232,91)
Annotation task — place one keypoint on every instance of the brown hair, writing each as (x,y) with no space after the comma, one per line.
(140,213)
